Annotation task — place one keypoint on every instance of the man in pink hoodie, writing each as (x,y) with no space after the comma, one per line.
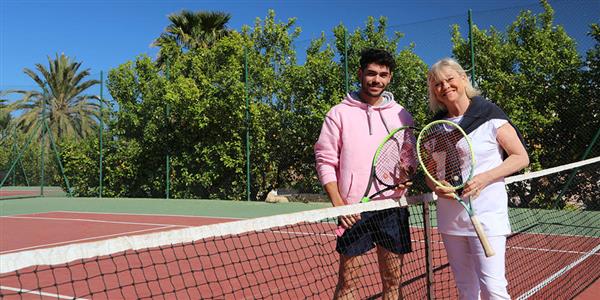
(351,133)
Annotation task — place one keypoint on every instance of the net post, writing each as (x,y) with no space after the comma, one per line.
(167,148)
(247,120)
(472,46)
(428,250)
(346,78)
(100,128)
(42,138)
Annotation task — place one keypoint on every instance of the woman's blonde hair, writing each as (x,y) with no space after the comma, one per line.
(434,104)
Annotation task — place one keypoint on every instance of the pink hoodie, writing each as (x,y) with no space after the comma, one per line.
(351,133)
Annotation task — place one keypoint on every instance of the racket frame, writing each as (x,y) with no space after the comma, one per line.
(489,251)
(373,176)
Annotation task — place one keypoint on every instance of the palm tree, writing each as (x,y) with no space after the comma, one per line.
(190,30)
(5,118)
(61,102)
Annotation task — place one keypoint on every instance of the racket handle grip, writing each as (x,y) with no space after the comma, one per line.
(487,248)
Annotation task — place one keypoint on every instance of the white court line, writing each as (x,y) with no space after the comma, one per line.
(91,238)
(136,214)
(90,221)
(548,280)
(547,250)
(39,293)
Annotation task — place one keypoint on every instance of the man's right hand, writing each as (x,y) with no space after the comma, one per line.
(349,220)
(445,191)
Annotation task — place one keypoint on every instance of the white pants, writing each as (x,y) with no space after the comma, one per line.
(475,273)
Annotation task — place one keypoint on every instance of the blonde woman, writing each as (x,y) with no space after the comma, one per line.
(499,151)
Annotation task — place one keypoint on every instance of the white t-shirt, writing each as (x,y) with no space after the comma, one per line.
(491,206)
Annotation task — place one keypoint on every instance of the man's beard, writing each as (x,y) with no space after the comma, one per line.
(366,91)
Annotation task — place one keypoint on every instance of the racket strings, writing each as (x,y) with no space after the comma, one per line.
(397,160)
(446,154)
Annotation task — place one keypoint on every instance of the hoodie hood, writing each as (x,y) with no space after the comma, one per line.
(352,99)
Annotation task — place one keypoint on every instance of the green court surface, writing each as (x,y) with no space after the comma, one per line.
(209,208)
(569,222)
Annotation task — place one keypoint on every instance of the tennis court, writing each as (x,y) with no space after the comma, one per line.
(12,192)
(135,255)
(235,116)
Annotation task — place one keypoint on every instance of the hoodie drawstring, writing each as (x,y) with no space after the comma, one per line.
(369,119)
(384,123)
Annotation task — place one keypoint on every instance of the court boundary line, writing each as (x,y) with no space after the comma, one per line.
(548,250)
(565,269)
(94,221)
(149,215)
(101,237)
(131,213)
(34,216)
(39,293)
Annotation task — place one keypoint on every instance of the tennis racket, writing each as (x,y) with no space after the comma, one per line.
(445,153)
(394,162)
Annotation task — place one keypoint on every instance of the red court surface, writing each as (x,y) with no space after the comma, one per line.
(18,193)
(592,293)
(34,231)
(284,262)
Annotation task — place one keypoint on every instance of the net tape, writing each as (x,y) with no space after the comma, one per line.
(64,254)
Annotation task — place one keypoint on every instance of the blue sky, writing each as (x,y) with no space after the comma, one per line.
(105,34)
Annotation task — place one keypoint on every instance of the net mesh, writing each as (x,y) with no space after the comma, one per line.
(553,253)
(288,256)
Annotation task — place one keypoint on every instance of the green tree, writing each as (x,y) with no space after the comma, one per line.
(533,72)
(5,118)
(60,100)
(140,128)
(592,105)
(204,131)
(591,84)
(309,92)
(191,30)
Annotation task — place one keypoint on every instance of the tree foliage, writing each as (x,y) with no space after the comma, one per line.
(193,109)
(533,71)
(5,118)
(60,100)
(191,30)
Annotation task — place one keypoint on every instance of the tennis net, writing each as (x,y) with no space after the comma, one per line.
(553,253)
(288,256)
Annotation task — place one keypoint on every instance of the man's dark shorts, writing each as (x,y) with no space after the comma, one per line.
(387,228)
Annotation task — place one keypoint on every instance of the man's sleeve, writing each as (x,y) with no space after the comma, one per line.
(327,151)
